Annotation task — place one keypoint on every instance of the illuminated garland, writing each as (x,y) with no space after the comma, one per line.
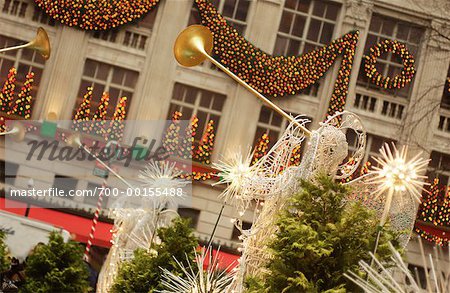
(96,15)
(170,140)
(435,209)
(398,81)
(432,238)
(205,148)
(186,148)
(279,75)
(199,176)
(22,106)
(261,148)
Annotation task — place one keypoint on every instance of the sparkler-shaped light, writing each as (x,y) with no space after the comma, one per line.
(235,172)
(200,280)
(380,276)
(163,176)
(396,175)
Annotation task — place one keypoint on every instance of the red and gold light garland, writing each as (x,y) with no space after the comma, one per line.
(279,75)
(398,81)
(96,15)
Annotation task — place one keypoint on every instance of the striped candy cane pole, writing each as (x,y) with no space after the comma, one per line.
(94,221)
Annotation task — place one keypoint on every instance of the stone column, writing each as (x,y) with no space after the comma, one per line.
(65,68)
(153,98)
(355,15)
(261,32)
(422,113)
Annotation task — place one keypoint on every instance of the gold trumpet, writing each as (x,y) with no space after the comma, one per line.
(40,43)
(17,132)
(194,45)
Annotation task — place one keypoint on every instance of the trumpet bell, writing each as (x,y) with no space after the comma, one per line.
(19,132)
(74,140)
(41,43)
(192,45)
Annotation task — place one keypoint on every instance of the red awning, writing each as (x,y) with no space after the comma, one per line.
(80,227)
(76,225)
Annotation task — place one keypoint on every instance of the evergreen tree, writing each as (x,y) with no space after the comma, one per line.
(143,272)
(56,267)
(4,261)
(83,112)
(320,236)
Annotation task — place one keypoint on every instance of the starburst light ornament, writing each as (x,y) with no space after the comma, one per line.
(399,279)
(397,176)
(204,276)
(235,173)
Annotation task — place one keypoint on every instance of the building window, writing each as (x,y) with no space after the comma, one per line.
(15,7)
(24,61)
(236,233)
(192,214)
(373,145)
(91,199)
(190,101)
(234,11)
(445,103)
(135,36)
(305,26)
(439,167)
(388,64)
(65,183)
(41,17)
(272,124)
(117,81)
(8,172)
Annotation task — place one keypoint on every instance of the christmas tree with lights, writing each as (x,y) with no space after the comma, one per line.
(117,125)
(100,116)
(261,148)
(187,141)
(22,106)
(205,148)
(83,112)
(7,93)
(171,138)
